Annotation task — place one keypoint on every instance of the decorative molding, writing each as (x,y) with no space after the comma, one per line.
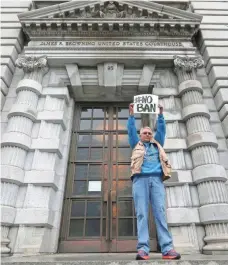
(118,16)
(23,110)
(201,139)
(187,64)
(190,85)
(110,10)
(32,63)
(214,213)
(211,172)
(195,110)
(30,84)
(116,9)
(12,174)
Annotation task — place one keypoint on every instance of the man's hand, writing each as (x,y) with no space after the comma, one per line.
(160,109)
(131,109)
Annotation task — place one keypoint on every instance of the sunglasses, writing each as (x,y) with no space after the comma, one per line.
(149,133)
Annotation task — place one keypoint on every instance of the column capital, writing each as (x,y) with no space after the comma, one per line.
(185,67)
(187,64)
(32,63)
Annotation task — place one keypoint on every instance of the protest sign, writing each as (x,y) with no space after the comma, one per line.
(146,103)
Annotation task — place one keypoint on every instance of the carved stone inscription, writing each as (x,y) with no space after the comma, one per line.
(97,44)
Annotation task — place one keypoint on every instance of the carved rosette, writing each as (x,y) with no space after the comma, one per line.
(185,67)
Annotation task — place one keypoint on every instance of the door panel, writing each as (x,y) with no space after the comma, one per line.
(98,213)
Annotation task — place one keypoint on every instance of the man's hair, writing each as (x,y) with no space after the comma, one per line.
(141,130)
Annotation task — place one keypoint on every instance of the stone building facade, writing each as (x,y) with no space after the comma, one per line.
(69,71)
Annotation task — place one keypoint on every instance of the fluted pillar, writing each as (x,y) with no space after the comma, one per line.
(208,175)
(16,141)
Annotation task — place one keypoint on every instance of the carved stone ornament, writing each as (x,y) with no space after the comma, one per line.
(188,64)
(32,63)
(110,10)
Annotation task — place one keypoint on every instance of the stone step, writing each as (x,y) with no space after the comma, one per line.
(123,262)
(112,259)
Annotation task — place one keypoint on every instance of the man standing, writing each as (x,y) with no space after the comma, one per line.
(150,167)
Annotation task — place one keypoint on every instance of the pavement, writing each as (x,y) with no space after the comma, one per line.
(111,259)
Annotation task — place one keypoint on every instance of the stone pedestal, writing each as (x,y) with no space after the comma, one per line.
(17,140)
(208,175)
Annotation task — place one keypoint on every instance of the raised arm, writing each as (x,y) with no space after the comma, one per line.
(133,138)
(161,128)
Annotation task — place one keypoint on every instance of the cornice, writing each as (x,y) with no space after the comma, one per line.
(122,27)
(165,10)
(137,17)
(140,5)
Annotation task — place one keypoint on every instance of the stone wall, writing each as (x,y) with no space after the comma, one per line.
(12,41)
(35,152)
(213,45)
(36,122)
(37,188)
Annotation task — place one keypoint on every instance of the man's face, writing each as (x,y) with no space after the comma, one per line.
(146,135)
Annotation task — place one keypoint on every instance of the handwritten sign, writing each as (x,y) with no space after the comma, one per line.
(146,103)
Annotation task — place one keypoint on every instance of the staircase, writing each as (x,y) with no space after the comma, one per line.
(112,259)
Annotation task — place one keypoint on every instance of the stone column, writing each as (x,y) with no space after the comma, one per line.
(208,175)
(16,142)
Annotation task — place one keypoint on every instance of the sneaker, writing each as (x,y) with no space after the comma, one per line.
(142,255)
(172,254)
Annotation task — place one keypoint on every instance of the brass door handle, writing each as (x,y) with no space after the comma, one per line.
(105,198)
(112,200)
(110,194)
(109,198)
(113,195)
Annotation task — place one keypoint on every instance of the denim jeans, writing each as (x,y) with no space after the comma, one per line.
(150,190)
